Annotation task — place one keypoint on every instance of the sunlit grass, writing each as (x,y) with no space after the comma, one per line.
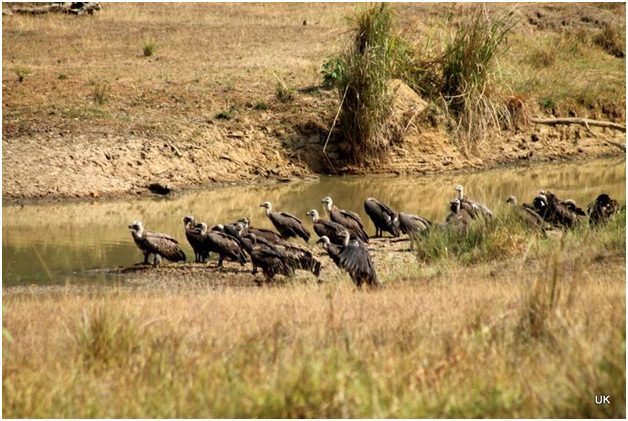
(481,340)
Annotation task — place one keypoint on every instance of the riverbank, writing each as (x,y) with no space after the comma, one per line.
(443,338)
(202,111)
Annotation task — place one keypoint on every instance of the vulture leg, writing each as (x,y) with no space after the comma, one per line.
(254,269)
(157,260)
(220,259)
(146,254)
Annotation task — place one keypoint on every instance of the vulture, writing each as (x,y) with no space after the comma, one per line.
(332,230)
(260,232)
(412,225)
(194,238)
(383,217)
(298,257)
(354,258)
(160,245)
(286,224)
(458,216)
(266,255)
(229,229)
(527,213)
(222,244)
(557,212)
(474,209)
(602,209)
(571,205)
(333,250)
(350,220)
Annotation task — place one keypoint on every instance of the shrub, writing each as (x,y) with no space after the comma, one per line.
(332,71)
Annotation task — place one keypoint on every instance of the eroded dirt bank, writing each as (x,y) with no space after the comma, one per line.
(92,116)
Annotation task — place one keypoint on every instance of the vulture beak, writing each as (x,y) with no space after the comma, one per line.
(130,226)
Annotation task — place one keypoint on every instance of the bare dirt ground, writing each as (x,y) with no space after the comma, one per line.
(86,114)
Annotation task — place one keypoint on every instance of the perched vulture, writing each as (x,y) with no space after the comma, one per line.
(159,245)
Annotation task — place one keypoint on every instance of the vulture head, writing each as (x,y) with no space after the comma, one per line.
(454,206)
(460,191)
(313,213)
(266,205)
(137,228)
(202,227)
(240,228)
(324,240)
(603,199)
(327,202)
(245,222)
(189,219)
(512,200)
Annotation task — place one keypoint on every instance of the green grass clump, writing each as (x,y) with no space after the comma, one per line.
(22,72)
(227,114)
(503,236)
(149,48)
(260,106)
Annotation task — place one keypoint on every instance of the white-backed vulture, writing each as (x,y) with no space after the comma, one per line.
(160,245)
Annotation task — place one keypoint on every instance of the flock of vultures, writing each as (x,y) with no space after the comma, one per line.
(343,236)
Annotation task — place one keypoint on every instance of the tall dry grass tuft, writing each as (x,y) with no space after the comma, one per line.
(362,78)
(106,337)
(469,74)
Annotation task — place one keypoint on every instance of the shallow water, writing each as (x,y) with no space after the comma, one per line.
(57,243)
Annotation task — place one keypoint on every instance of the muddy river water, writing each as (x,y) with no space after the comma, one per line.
(58,243)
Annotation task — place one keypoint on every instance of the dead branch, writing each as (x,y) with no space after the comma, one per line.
(582,121)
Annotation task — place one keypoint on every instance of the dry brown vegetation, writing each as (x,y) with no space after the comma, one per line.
(448,338)
(87,112)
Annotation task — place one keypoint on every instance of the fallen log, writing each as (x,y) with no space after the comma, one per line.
(582,121)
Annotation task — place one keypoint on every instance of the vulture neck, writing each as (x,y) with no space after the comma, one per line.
(268,209)
(460,194)
(139,233)
(329,205)
(346,241)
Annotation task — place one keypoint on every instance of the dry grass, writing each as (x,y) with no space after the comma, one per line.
(488,340)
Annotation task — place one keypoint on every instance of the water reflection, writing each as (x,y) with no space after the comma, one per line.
(46,243)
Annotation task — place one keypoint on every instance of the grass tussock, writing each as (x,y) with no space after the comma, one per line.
(611,40)
(469,74)
(22,72)
(503,236)
(150,46)
(100,91)
(362,76)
